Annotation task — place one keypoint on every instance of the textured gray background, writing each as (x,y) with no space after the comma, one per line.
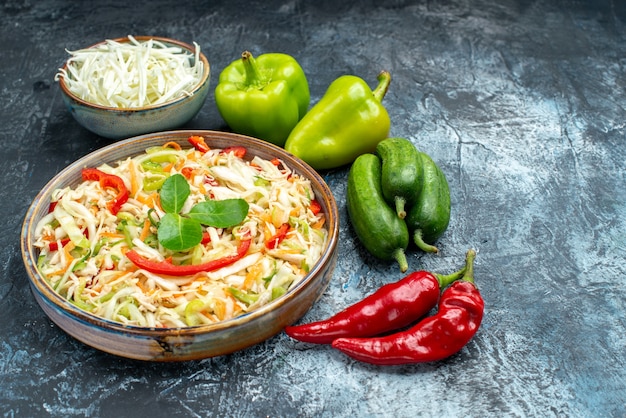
(521,102)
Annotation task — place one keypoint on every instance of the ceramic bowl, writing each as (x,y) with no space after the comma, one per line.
(117,123)
(176,344)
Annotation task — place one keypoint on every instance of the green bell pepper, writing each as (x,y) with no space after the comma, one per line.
(263,97)
(348,121)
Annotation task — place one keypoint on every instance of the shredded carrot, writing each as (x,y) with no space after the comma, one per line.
(67,249)
(68,259)
(237,310)
(202,292)
(168,167)
(319,224)
(192,156)
(116,276)
(178,165)
(172,144)
(96,287)
(48,237)
(144,199)
(288,251)
(156,198)
(267,234)
(294,212)
(146,230)
(220,309)
(112,235)
(141,284)
(252,275)
(134,184)
(149,200)
(59,272)
(203,189)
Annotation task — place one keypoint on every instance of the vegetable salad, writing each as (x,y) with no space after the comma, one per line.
(235,234)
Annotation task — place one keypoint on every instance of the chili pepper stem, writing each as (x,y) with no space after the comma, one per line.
(384,79)
(423,245)
(400,257)
(254,77)
(469,266)
(448,279)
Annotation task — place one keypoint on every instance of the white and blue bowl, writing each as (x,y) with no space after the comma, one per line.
(189,343)
(118,123)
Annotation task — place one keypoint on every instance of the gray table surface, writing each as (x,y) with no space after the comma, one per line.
(521,102)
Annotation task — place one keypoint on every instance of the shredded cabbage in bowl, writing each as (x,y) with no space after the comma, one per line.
(83,245)
(132,74)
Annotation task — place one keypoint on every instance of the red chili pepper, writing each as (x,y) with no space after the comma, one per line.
(206,238)
(186,171)
(238,150)
(54,246)
(167,268)
(211,181)
(434,338)
(199,143)
(393,306)
(315,207)
(278,237)
(111,181)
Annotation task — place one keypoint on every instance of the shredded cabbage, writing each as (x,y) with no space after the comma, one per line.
(132,74)
(92,271)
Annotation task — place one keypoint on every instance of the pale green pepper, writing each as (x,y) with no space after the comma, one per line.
(348,121)
(263,97)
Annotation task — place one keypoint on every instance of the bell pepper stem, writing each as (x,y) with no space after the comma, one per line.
(400,206)
(254,77)
(384,79)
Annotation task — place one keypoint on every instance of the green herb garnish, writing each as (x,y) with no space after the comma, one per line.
(178,232)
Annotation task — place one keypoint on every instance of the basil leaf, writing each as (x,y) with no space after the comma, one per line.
(174,192)
(177,233)
(220,213)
